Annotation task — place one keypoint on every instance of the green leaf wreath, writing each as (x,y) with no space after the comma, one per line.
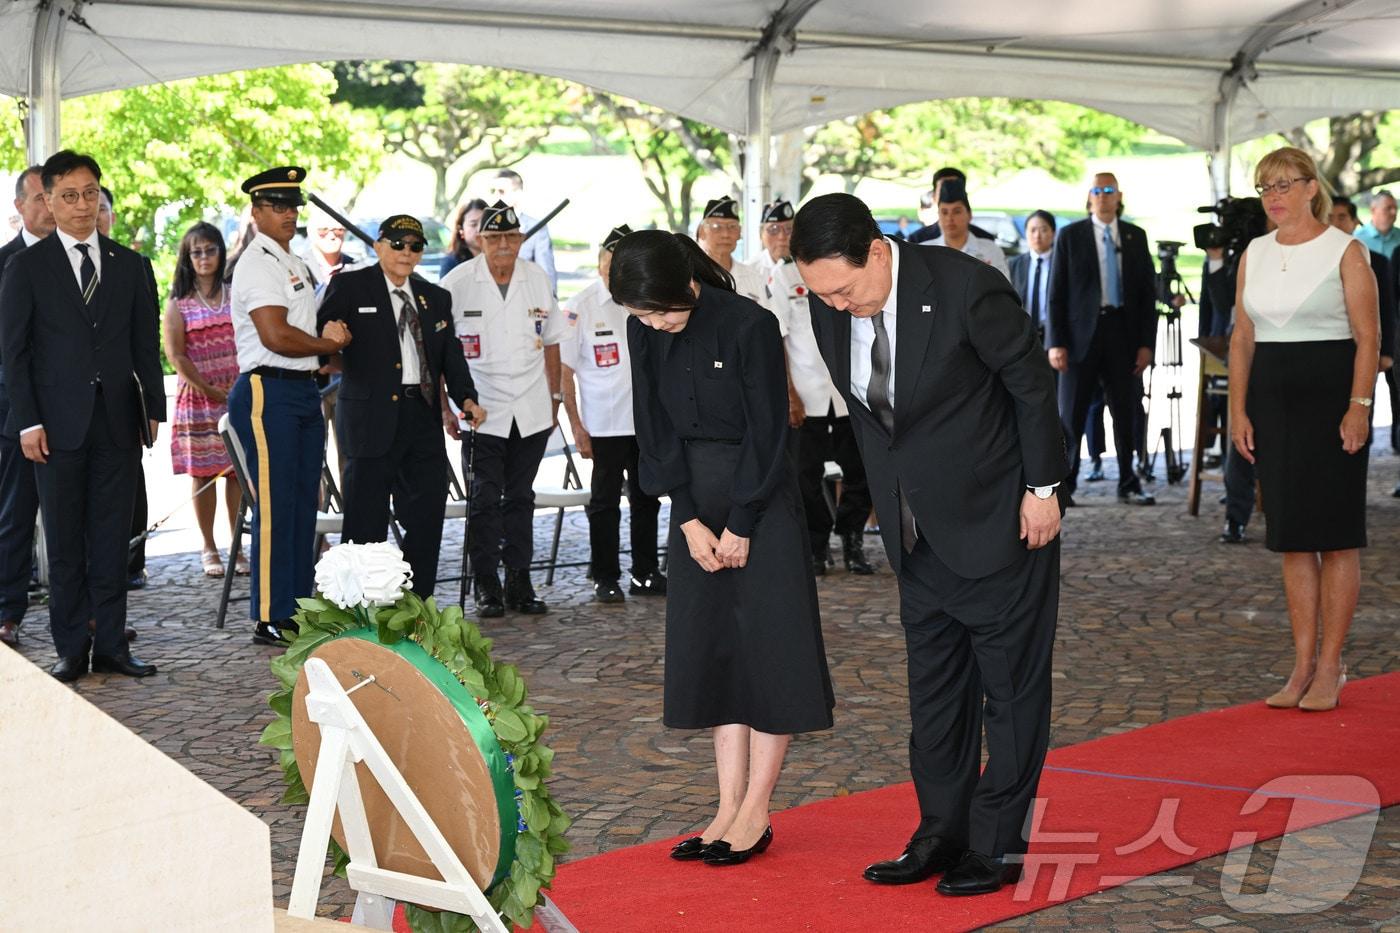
(459,645)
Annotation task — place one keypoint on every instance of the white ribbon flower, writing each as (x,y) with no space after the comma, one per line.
(363,575)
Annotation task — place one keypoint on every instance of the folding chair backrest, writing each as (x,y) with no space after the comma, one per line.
(234,447)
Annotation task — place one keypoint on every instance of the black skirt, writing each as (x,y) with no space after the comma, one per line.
(744,645)
(1314,492)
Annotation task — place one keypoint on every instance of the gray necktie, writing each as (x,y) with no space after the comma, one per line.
(877,396)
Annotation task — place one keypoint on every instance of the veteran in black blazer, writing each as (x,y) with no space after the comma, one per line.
(953,406)
(1103,326)
(79,336)
(390,415)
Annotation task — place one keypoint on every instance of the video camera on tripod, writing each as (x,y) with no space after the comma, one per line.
(1238,220)
(1171,294)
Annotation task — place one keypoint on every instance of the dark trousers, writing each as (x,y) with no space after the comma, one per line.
(979,653)
(1239,487)
(414,474)
(1394,409)
(140,515)
(502,524)
(19,509)
(1094,434)
(1109,361)
(86,495)
(612,457)
(830,438)
(279,423)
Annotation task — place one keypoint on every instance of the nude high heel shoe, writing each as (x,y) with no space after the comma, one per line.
(1317,702)
(1288,699)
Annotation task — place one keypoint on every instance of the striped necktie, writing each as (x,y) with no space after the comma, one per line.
(87,274)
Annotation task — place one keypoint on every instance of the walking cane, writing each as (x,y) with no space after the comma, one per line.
(467,475)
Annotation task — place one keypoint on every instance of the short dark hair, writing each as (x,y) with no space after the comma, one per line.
(949,172)
(513,177)
(1349,204)
(1046,216)
(23,176)
(834,226)
(107,193)
(65,161)
(652,271)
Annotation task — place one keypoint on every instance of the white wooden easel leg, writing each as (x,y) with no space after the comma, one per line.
(320,813)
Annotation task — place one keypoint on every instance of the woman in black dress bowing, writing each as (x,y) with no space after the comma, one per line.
(744,654)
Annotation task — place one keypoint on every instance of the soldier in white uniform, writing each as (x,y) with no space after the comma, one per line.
(955,227)
(595,354)
(510,326)
(824,431)
(718,234)
(274,406)
(775,232)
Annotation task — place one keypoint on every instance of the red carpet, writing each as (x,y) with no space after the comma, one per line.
(1100,802)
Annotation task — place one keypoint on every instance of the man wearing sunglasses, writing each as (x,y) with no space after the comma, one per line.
(274,406)
(1103,325)
(510,329)
(390,417)
(326,258)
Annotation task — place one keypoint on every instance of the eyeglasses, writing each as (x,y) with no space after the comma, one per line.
(722,226)
(778,229)
(338,232)
(1281,186)
(398,245)
(277,207)
(1103,189)
(91,195)
(208,252)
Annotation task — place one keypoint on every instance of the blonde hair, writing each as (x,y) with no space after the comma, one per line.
(1290,162)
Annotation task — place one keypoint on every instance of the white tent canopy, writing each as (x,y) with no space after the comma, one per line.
(1207,72)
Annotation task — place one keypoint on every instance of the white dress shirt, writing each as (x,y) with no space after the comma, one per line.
(408,349)
(503,339)
(595,348)
(1103,256)
(75,256)
(981,248)
(863,336)
(29,238)
(267,276)
(805,363)
(1044,259)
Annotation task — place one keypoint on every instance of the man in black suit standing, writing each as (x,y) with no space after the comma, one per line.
(390,416)
(1103,326)
(80,343)
(953,407)
(19,495)
(1030,271)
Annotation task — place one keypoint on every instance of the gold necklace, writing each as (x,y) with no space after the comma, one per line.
(1286,253)
(200,295)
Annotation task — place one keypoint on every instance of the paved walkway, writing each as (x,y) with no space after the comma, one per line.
(1158,620)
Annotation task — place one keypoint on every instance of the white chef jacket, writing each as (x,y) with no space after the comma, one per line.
(984,249)
(805,364)
(269,276)
(595,348)
(504,340)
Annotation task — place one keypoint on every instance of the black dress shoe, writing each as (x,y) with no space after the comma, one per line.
(520,594)
(278,634)
(853,552)
(1137,498)
(137,581)
(653,584)
(490,600)
(922,859)
(690,850)
(719,852)
(607,591)
(1095,473)
(818,565)
(68,670)
(123,664)
(976,873)
(9,634)
(1233,533)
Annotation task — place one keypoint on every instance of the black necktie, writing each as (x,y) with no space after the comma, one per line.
(409,320)
(1035,291)
(87,274)
(877,396)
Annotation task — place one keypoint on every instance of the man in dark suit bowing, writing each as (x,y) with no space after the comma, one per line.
(1103,326)
(953,406)
(78,329)
(390,415)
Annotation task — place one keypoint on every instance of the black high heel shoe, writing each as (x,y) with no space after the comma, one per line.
(720,853)
(690,850)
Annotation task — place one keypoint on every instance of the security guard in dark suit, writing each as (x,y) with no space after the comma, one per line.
(390,417)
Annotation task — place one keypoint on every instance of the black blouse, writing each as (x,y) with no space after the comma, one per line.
(723,378)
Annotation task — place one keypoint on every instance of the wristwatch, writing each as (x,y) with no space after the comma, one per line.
(1362,400)
(1043,492)
(557,396)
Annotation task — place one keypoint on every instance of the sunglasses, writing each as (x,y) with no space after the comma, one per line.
(1103,189)
(398,245)
(208,252)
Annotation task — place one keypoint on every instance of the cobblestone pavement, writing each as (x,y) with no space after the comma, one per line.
(1158,620)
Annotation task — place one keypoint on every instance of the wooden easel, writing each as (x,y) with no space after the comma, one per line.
(1214,382)
(346,739)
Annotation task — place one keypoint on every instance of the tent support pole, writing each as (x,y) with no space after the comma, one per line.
(44,97)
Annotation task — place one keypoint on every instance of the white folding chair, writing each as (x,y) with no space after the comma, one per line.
(570,493)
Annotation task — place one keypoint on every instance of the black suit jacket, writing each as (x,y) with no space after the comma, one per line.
(366,412)
(1076,295)
(1022,266)
(1386,301)
(57,349)
(975,420)
(6,251)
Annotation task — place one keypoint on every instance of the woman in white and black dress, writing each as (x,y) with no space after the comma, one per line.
(744,653)
(1303,362)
